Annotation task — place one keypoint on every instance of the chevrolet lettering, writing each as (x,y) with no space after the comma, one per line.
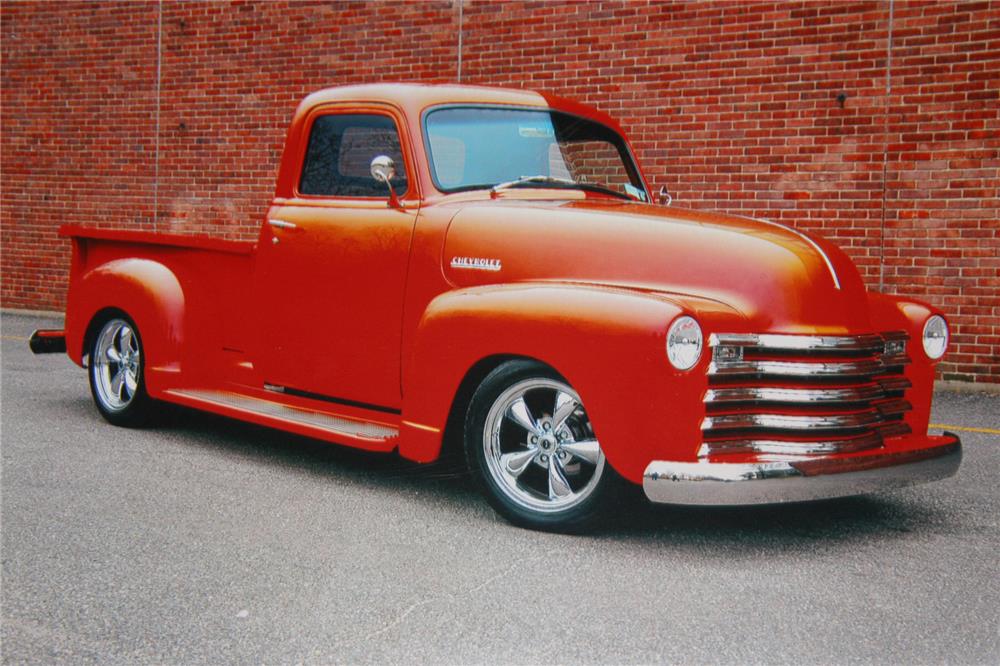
(476,263)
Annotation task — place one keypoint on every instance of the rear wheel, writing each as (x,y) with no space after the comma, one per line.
(117,366)
(533,452)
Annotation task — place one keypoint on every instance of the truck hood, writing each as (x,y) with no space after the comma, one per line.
(775,277)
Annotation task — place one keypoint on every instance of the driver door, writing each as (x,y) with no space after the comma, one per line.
(332,264)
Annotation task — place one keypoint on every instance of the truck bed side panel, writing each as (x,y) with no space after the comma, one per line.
(189,300)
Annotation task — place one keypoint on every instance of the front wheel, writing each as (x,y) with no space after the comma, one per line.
(117,365)
(533,452)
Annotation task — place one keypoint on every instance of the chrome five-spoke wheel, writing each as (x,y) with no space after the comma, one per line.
(116,372)
(116,365)
(533,452)
(540,447)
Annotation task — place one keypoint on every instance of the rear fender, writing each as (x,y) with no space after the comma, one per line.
(608,343)
(145,290)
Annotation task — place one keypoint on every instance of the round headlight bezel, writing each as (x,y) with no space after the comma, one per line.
(685,342)
(935,337)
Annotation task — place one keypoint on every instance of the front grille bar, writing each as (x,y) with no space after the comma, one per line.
(858,368)
(861,442)
(805,343)
(804,396)
(854,420)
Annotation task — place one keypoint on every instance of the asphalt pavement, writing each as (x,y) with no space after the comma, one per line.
(205,540)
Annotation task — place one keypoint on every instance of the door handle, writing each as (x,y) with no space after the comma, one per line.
(281,224)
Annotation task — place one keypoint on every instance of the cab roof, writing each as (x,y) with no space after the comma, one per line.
(413,98)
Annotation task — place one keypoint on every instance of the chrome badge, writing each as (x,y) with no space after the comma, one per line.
(476,263)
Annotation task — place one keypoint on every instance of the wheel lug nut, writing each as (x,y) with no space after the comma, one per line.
(544,458)
(546,426)
(534,440)
(562,455)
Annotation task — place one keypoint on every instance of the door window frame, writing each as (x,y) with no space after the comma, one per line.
(352,109)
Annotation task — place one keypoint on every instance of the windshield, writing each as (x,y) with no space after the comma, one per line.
(479,148)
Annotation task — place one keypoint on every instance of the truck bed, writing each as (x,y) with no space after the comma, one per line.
(208,281)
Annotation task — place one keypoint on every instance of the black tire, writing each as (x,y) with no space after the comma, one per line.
(117,372)
(531,495)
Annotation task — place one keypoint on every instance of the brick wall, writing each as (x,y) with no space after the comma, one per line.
(799,112)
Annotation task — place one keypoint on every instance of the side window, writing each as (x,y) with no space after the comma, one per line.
(339,155)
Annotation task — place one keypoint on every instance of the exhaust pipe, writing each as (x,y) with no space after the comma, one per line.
(48,342)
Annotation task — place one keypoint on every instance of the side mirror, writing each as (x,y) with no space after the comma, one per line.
(383,170)
(664,197)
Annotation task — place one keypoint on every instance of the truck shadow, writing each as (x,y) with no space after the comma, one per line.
(837,522)
(304,453)
(846,518)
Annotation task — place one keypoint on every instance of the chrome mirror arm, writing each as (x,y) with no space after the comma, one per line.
(382,170)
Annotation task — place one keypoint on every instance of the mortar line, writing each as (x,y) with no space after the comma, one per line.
(156,155)
(461,4)
(885,147)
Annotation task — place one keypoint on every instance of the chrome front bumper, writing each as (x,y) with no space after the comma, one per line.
(728,484)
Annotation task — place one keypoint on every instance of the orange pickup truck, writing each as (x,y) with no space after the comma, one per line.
(486,269)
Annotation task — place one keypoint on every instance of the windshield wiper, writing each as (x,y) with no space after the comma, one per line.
(561,183)
(527,180)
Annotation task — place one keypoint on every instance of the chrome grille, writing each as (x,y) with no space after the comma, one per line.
(779,394)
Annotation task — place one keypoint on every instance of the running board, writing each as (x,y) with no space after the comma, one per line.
(372,435)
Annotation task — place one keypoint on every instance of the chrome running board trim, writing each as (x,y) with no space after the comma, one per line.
(293,415)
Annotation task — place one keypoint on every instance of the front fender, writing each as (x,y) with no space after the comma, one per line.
(608,343)
(149,293)
(892,313)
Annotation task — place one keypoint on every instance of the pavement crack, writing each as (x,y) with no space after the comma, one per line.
(454,596)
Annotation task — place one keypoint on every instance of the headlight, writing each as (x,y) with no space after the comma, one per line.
(684,343)
(935,337)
